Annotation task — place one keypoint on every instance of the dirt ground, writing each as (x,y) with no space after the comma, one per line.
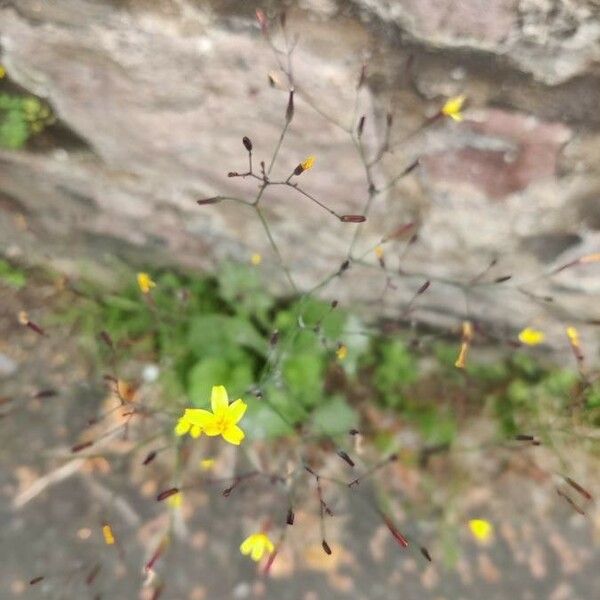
(542,549)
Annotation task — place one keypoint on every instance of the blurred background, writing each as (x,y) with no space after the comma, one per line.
(456,328)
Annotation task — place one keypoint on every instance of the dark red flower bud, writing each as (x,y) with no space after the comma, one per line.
(166,494)
(326,547)
(214,199)
(353,218)
(361,125)
(247,143)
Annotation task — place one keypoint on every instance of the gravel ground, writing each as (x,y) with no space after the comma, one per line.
(542,549)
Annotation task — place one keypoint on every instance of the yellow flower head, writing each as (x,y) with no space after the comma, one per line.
(145,282)
(107,532)
(207,464)
(573,336)
(2,72)
(221,421)
(453,107)
(531,337)
(256,545)
(481,529)
(342,352)
(379,252)
(308,163)
(175,500)
(256,259)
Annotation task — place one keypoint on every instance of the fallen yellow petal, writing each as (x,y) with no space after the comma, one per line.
(531,337)
(481,529)
(107,532)
(207,464)
(573,336)
(453,106)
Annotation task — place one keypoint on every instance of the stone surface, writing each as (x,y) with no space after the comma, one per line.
(159,94)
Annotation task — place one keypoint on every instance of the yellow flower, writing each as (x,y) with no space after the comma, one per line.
(481,529)
(221,421)
(107,532)
(256,259)
(145,282)
(2,72)
(207,464)
(379,252)
(573,336)
(308,163)
(342,352)
(175,500)
(453,106)
(531,337)
(256,545)
(189,422)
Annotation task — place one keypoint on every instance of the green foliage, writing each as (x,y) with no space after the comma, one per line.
(20,118)
(204,331)
(11,275)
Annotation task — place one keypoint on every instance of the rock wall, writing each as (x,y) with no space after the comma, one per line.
(157,95)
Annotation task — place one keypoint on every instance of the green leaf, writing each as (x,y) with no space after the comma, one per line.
(303,375)
(222,335)
(237,378)
(335,417)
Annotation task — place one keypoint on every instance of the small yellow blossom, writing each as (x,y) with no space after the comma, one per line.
(2,72)
(207,464)
(256,259)
(107,532)
(531,337)
(573,336)
(481,529)
(256,545)
(308,163)
(145,282)
(379,252)
(175,500)
(342,351)
(453,107)
(221,421)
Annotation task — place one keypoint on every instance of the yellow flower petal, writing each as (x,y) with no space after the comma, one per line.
(236,410)
(247,544)
(258,549)
(175,500)
(2,72)
(308,163)
(233,435)
(531,337)
(207,464)
(107,532)
(145,282)
(195,431)
(573,336)
(453,106)
(182,427)
(342,352)
(256,259)
(218,399)
(481,529)
(198,416)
